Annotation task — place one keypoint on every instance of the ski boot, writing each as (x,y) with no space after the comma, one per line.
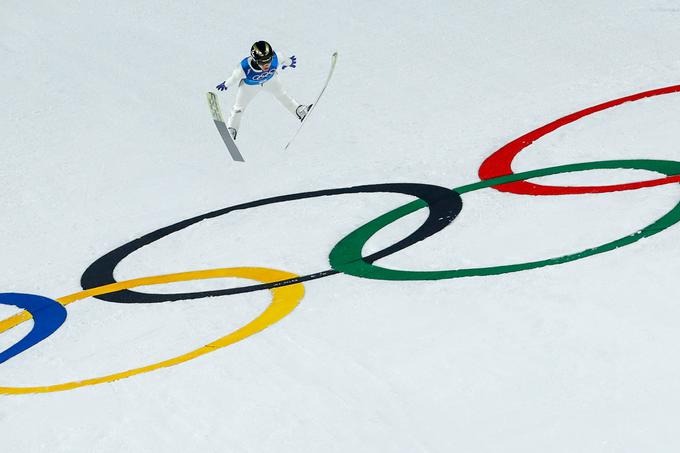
(302,111)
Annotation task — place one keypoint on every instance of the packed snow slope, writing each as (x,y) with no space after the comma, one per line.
(106,137)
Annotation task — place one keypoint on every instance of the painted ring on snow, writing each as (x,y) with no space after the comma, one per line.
(500,162)
(48,315)
(346,255)
(444,206)
(284,301)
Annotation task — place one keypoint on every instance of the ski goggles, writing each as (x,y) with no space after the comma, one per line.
(264,61)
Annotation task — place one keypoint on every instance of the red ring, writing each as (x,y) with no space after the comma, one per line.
(500,162)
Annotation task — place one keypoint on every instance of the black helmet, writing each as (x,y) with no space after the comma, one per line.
(262,52)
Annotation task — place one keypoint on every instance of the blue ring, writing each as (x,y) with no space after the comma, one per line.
(48,316)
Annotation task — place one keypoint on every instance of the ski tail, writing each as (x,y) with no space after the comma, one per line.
(334,59)
(214,104)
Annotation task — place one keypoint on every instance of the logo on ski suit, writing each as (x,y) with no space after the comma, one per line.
(254,77)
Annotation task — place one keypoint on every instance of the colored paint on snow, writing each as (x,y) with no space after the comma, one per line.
(48,315)
(284,301)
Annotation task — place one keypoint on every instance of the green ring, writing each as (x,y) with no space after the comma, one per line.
(346,255)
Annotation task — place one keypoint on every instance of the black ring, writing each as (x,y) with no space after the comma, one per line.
(444,205)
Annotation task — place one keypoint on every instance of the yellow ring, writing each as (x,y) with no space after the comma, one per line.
(284,301)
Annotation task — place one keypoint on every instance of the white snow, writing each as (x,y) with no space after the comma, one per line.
(105,135)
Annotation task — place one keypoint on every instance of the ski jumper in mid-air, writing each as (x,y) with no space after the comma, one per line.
(257,73)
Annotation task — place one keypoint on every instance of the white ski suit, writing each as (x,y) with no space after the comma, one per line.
(252,79)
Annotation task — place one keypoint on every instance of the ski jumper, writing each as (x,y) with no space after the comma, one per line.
(251,80)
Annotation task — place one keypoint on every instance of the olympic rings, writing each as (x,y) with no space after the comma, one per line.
(444,206)
(284,301)
(346,255)
(48,315)
(496,171)
(500,162)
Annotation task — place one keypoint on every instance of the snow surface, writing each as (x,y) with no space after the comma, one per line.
(106,135)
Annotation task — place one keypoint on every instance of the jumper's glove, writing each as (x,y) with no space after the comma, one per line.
(293,63)
(222,86)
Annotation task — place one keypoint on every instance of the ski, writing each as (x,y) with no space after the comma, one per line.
(334,59)
(214,104)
